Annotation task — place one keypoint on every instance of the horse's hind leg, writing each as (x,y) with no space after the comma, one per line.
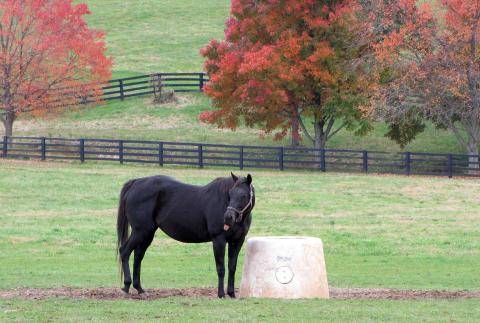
(138,257)
(124,263)
(136,238)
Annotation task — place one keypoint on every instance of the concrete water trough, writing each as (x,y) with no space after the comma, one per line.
(284,267)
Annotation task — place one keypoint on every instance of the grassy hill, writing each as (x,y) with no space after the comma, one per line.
(151,36)
(158,35)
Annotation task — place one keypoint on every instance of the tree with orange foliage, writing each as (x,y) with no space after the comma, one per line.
(49,58)
(287,61)
(430,57)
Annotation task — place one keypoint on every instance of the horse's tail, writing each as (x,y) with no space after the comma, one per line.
(122,222)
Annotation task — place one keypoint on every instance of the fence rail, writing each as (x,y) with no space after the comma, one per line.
(235,156)
(133,86)
(144,84)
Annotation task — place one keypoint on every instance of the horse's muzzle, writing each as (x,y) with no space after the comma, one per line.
(229,219)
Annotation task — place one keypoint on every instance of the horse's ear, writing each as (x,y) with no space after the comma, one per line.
(249,179)
(235,178)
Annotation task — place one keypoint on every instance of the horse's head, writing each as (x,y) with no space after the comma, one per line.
(240,200)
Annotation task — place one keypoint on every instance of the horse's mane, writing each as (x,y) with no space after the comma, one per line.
(220,184)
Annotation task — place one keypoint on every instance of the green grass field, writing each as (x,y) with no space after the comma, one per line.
(151,36)
(58,229)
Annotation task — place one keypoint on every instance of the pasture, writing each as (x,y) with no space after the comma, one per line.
(58,220)
(151,36)
(417,233)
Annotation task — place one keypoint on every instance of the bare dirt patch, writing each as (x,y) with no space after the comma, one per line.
(109,293)
(399,294)
(104,293)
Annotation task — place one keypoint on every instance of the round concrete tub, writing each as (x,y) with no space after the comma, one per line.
(284,267)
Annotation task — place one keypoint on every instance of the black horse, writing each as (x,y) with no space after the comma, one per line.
(219,212)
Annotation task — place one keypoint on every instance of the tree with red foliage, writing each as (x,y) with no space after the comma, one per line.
(430,58)
(287,61)
(48,57)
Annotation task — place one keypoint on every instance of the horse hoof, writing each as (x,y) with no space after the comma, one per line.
(125,291)
(232,295)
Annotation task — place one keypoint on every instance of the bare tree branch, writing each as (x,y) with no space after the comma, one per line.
(331,122)
(304,129)
(343,125)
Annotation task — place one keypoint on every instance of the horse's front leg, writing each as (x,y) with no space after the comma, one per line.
(219,244)
(233,251)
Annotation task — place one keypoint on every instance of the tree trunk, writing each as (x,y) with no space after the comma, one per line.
(8,120)
(471,144)
(295,132)
(473,152)
(320,136)
(320,139)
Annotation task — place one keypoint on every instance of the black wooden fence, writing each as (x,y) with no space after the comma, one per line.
(143,84)
(234,156)
(133,86)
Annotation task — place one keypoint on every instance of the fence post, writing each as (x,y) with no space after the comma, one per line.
(43,148)
(365,161)
(82,150)
(280,158)
(322,160)
(122,94)
(241,157)
(201,82)
(5,146)
(120,151)
(160,154)
(408,161)
(200,156)
(450,165)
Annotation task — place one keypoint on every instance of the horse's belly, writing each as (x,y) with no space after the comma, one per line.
(187,238)
(184,229)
